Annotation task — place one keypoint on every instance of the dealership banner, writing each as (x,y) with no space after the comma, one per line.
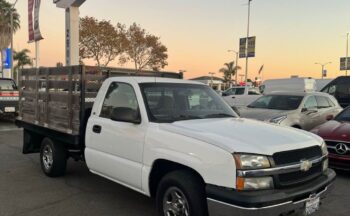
(6,61)
(247,48)
(33,20)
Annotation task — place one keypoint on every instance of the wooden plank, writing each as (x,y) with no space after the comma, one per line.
(70,98)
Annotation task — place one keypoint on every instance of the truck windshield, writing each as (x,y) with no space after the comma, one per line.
(170,102)
(277,102)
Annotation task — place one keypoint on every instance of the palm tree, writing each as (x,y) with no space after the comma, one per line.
(229,71)
(22,58)
(5,24)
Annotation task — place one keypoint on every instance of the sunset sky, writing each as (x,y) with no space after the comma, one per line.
(291,34)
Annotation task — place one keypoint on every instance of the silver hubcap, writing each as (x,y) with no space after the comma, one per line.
(175,203)
(47,157)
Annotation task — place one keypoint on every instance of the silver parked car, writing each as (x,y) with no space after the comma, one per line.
(299,110)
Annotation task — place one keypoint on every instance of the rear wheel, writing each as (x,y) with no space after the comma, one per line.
(181,193)
(53,158)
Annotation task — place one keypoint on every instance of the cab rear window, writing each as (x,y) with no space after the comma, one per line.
(7,85)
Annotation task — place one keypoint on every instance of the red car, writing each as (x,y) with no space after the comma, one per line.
(336,133)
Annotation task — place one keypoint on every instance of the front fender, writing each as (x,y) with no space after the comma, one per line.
(216,166)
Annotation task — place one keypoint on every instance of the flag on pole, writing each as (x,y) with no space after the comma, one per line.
(33,20)
(261,69)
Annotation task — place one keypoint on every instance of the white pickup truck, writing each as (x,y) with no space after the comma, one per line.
(241,96)
(179,142)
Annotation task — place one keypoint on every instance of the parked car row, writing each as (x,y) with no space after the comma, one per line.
(8,97)
(300,110)
(296,103)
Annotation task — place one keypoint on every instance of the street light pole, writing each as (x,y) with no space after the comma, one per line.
(323,67)
(236,70)
(246,51)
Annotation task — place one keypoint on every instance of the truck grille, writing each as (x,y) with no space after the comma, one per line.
(293,157)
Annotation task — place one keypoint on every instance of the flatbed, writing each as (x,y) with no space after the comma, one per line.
(57,102)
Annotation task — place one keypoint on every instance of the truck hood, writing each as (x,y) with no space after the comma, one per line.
(262,114)
(243,135)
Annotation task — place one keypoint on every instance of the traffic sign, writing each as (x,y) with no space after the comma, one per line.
(324,74)
(343,65)
(243,50)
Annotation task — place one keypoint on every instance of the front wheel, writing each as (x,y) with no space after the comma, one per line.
(53,158)
(181,193)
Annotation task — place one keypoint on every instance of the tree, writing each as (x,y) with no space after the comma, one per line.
(5,24)
(229,71)
(144,49)
(101,41)
(22,58)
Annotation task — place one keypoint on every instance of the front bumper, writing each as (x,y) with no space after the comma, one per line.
(278,202)
(339,162)
(13,104)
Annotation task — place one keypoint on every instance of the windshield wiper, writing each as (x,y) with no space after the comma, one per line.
(220,115)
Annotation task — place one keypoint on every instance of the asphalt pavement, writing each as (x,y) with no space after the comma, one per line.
(26,191)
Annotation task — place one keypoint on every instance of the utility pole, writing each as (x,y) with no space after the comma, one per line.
(246,50)
(323,67)
(347,53)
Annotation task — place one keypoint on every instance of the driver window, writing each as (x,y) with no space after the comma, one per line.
(239,91)
(119,95)
(311,103)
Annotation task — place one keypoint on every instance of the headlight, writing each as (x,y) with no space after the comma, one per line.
(325,165)
(278,120)
(324,149)
(262,183)
(247,162)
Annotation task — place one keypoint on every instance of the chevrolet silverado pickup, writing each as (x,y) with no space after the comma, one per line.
(174,140)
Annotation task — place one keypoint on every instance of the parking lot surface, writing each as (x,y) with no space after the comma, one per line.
(26,191)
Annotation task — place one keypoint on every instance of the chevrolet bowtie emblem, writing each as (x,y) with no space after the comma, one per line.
(305,165)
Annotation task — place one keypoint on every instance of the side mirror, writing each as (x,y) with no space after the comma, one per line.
(224,94)
(124,114)
(329,117)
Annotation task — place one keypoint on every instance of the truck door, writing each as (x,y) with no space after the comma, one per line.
(113,148)
(233,99)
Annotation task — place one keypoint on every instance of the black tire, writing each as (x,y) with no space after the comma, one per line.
(54,165)
(187,184)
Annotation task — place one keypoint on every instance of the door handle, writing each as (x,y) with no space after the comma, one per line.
(233,97)
(96,129)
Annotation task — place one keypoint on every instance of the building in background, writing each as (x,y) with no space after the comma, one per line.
(215,82)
